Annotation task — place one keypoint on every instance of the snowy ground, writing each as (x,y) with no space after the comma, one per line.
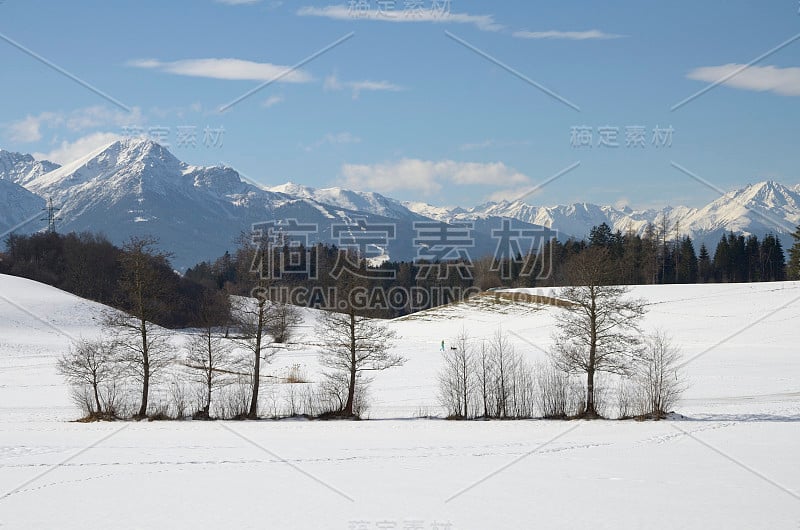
(732,463)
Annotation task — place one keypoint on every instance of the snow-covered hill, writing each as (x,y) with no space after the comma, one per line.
(734,447)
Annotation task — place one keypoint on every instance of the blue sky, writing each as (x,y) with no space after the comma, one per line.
(409,103)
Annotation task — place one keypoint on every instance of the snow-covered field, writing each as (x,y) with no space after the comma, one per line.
(731,463)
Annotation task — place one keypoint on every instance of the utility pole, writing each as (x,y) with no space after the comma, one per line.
(51,216)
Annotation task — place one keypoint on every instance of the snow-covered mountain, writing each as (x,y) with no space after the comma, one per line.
(18,205)
(361,201)
(758,209)
(136,187)
(21,169)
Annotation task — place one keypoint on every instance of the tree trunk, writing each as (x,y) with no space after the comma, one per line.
(97,397)
(145,371)
(590,408)
(591,412)
(210,378)
(253,412)
(351,389)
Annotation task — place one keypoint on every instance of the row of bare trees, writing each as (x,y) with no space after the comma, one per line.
(597,332)
(488,379)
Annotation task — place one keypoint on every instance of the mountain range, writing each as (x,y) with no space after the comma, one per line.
(137,187)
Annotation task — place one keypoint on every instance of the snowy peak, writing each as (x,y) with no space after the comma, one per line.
(21,169)
(115,162)
(763,207)
(360,201)
(767,194)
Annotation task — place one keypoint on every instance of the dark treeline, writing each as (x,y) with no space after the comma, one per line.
(652,258)
(91,267)
(319,276)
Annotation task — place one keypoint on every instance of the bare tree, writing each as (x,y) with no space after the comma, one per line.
(485,377)
(282,319)
(553,391)
(457,378)
(251,319)
(209,354)
(659,376)
(353,345)
(598,327)
(89,363)
(143,347)
(210,359)
(503,361)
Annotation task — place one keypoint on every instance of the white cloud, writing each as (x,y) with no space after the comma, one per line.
(343,12)
(332,82)
(226,68)
(67,152)
(592,34)
(341,138)
(29,129)
(427,176)
(784,81)
(272,101)
(101,116)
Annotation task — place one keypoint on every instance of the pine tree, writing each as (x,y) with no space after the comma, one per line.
(722,258)
(687,262)
(773,260)
(793,269)
(705,269)
(752,249)
(601,236)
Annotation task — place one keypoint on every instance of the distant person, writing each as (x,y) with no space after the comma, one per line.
(442,348)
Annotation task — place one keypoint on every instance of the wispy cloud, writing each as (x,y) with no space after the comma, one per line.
(592,34)
(344,12)
(427,176)
(67,152)
(783,81)
(226,68)
(272,101)
(332,82)
(341,138)
(30,129)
